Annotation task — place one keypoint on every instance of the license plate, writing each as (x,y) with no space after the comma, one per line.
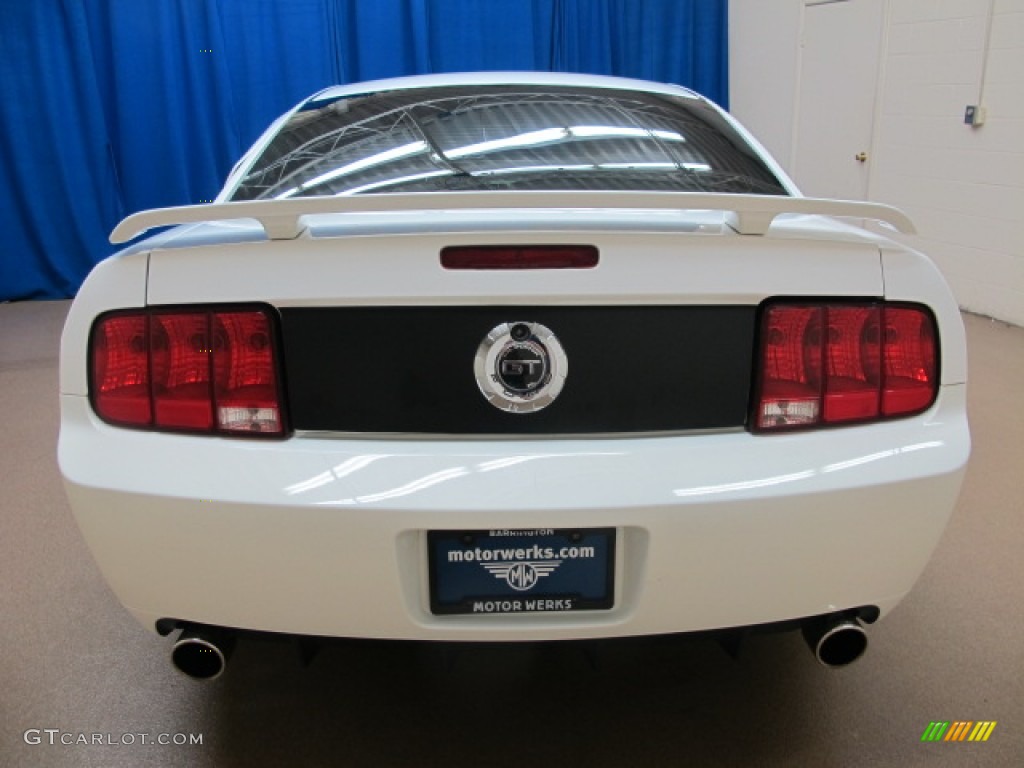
(521,571)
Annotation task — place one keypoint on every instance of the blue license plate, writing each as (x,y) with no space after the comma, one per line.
(521,571)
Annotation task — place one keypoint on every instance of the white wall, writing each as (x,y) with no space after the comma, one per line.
(963,186)
(764,42)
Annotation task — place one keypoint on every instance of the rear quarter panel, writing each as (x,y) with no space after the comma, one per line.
(116,283)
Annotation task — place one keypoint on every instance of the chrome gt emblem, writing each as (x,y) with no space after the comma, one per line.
(520,367)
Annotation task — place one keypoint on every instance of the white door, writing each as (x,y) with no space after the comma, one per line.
(840,52)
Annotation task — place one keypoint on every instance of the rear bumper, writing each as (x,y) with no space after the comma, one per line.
(327,536)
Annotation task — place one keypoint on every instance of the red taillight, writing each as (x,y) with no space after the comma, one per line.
(824,364)
(246,390)
(119,370)
(179,349)
(519,257)
(198,370)
(910,348)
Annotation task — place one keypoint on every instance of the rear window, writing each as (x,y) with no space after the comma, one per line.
(476,138)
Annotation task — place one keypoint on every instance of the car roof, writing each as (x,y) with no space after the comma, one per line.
(500,78)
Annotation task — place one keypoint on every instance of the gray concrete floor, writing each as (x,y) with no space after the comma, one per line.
(72,659)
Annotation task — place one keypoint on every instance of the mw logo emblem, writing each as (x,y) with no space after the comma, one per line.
(522,576)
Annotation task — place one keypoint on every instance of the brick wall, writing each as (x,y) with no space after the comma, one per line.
(963,186)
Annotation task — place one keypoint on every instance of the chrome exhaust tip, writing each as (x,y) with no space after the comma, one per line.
(202,653)
(836,642)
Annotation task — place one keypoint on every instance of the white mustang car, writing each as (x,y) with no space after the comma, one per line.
(511,357)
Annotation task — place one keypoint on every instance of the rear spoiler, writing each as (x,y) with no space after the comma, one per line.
(284,219)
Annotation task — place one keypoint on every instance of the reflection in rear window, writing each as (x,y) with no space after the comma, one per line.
(473,138)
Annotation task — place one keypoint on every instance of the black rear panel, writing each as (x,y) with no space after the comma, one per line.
(630,369)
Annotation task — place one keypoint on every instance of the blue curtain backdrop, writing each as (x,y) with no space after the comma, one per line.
(113,106)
